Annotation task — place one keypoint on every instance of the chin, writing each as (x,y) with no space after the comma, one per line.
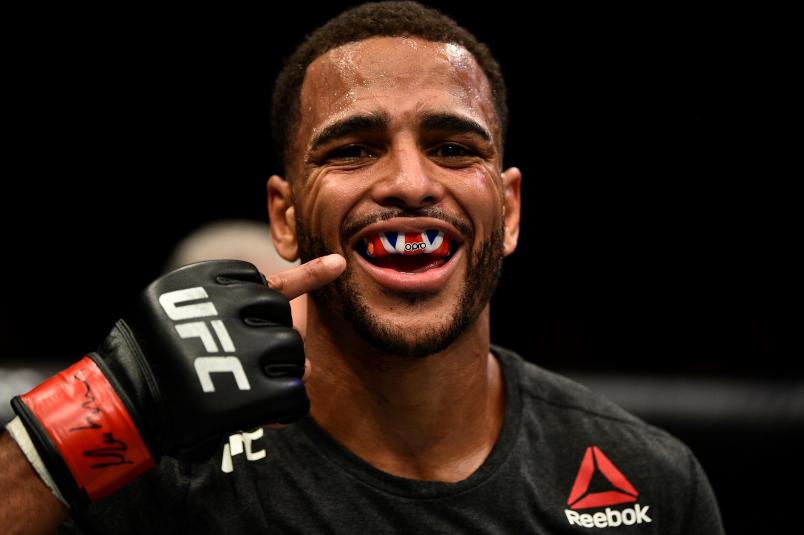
(408,324)
(412,342)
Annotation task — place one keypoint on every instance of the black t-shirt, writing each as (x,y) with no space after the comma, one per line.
(566,461)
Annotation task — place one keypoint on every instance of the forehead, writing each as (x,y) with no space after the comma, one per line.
(401,76)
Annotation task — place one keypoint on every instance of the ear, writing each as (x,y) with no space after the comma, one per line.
(282,213)
(512,182)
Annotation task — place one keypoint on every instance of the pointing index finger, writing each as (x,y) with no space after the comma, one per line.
(308,276)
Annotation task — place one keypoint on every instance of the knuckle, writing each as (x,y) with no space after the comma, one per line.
(312,269)
(277,282)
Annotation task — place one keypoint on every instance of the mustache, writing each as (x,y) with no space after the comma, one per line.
(352,226)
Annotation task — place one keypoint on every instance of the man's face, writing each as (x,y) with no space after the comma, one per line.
(399,143)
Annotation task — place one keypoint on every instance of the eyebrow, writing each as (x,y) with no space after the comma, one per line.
(453,123)
(356,124)
(379,122)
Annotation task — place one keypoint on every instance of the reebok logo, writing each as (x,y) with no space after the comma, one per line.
(610,518)
(592,459)
(595,461)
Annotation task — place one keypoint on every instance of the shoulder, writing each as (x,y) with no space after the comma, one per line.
(556,394)
(571,417)
(597,455)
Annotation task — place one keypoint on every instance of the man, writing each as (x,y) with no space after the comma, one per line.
(390,120)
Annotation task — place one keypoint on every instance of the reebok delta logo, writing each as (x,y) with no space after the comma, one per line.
(594,461)
(594,458)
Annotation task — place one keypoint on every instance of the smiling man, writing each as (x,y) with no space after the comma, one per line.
(390,122)
(396,164)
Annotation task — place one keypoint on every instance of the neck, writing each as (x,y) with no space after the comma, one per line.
(433,418)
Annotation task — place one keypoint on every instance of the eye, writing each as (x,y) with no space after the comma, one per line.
(350,152)
(452,150)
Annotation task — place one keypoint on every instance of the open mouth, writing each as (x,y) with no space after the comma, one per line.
(408,252)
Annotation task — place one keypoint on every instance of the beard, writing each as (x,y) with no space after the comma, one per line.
(343,298)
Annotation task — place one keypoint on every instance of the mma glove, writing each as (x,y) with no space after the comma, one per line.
(205,351)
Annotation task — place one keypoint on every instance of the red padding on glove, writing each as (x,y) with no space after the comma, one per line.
(90,427)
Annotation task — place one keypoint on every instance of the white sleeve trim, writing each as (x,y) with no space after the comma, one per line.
(23,440)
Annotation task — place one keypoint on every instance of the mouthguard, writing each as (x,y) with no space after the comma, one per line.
(408,243)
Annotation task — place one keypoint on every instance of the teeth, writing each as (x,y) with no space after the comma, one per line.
(408,243)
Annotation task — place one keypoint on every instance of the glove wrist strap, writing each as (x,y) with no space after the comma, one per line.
(87,424)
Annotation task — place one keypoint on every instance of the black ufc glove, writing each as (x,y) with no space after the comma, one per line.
(205,351)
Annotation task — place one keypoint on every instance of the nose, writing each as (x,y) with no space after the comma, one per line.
(406,181)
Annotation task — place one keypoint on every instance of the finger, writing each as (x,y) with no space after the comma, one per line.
(309,276)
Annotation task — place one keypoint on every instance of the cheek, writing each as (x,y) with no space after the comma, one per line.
(478,181)
(484,181)
(328,202)
(483,198)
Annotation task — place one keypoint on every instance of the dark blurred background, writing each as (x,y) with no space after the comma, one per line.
(658,238)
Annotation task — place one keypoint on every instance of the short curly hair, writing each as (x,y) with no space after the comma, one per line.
(376,19)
